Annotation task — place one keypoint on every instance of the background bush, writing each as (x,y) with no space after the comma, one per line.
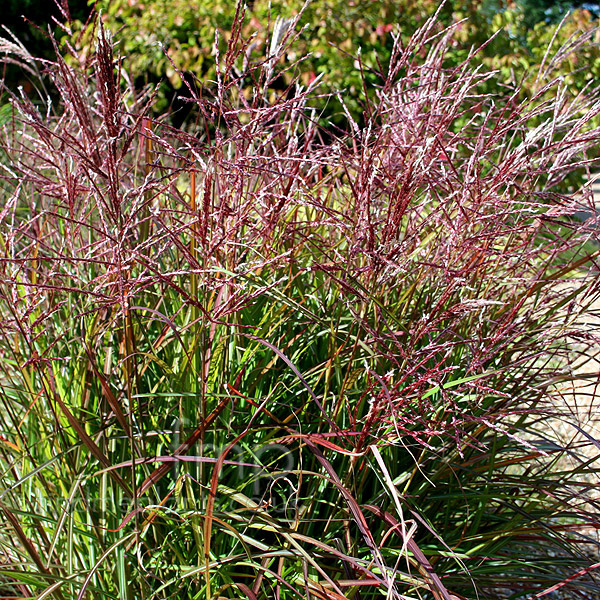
(336,31)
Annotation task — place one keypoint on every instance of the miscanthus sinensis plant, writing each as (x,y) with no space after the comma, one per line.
(252,359)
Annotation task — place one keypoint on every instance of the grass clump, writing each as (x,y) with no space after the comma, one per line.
(247,359)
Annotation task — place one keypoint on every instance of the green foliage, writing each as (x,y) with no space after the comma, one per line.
(335,34)
(549,11)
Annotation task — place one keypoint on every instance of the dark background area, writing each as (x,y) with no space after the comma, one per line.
(17,13)
(28,21)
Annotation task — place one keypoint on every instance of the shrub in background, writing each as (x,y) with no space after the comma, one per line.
(334,34)
(243,359)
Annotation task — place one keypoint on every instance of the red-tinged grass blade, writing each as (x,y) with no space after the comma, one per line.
(437,587)
(108,393)
(566,581)
(246,590)
(183,448)
(289,363)
(325,594)
(590,437)
(210,505)
(85,438)
(83,591)
(27,544)
(353,506)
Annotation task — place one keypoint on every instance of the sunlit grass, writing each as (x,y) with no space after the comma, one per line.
(246,363)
